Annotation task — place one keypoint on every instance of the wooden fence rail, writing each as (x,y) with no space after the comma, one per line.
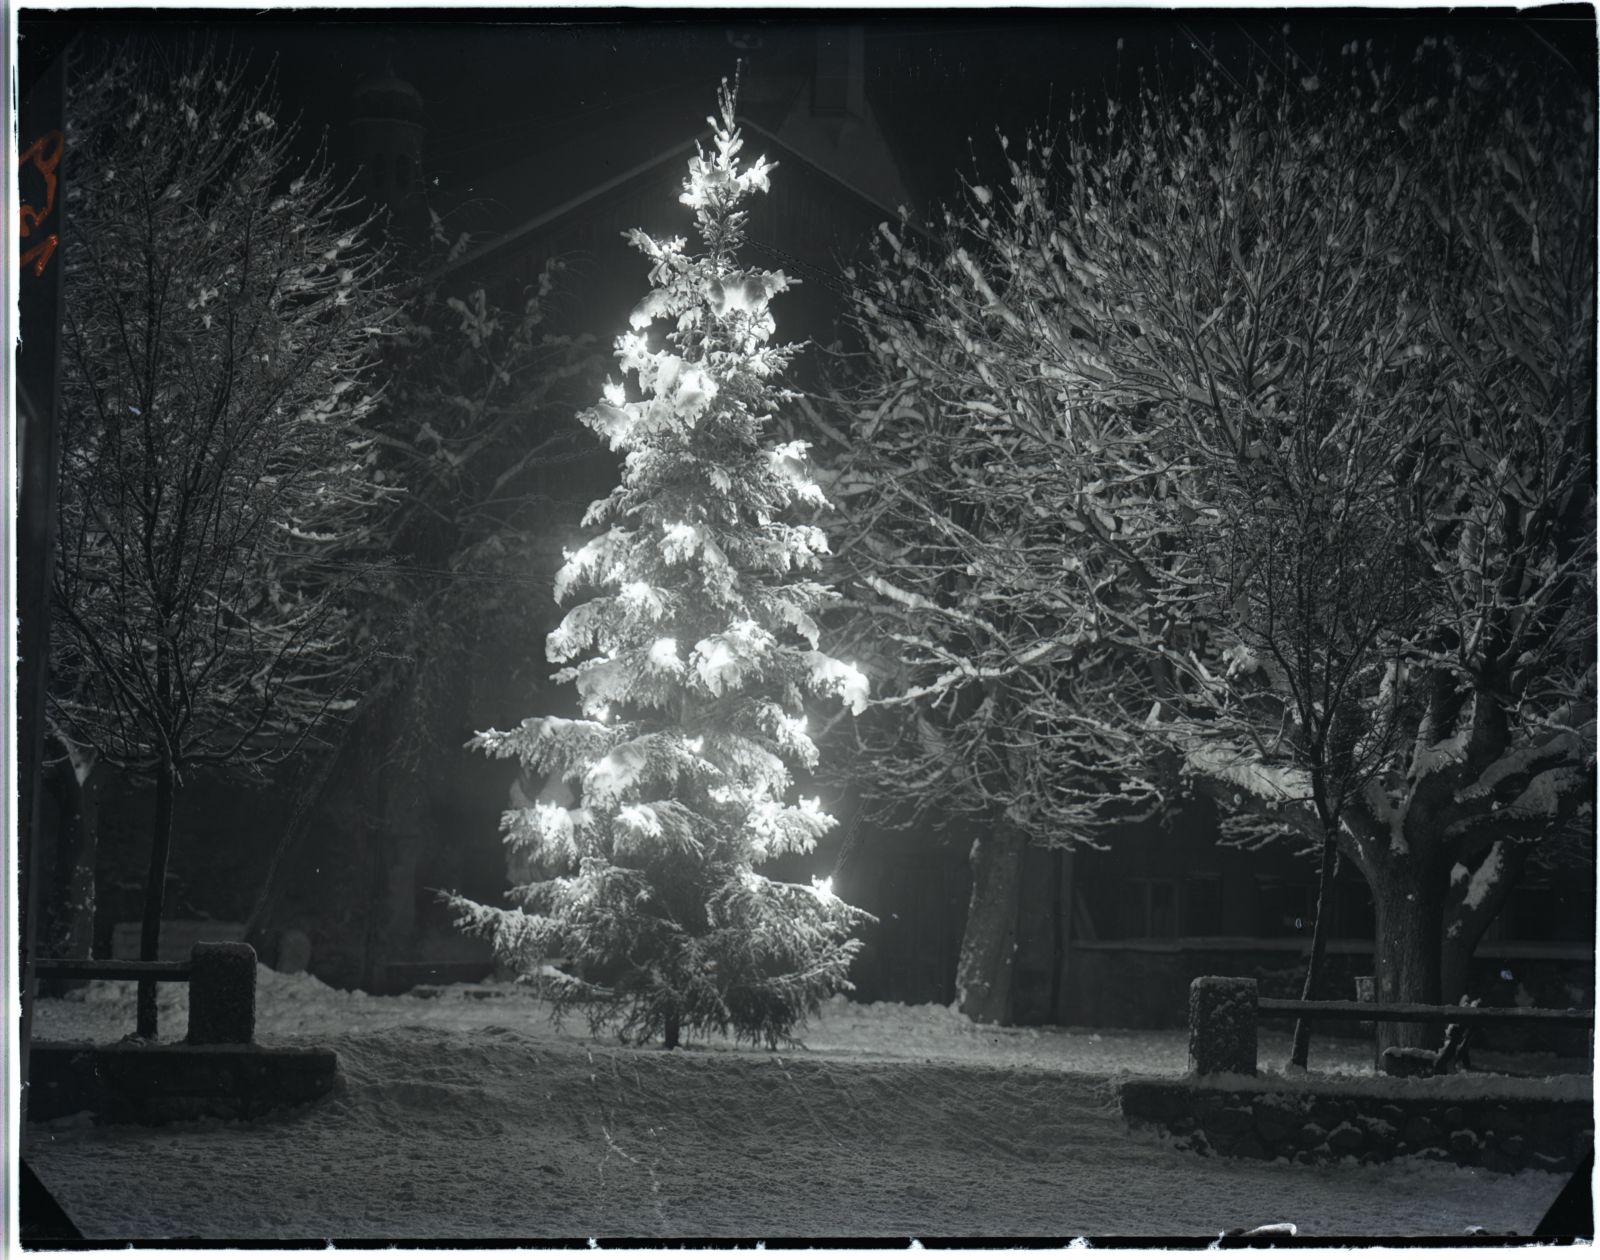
(221,976)
(1415,1013)
(110,969)
(1224,1012)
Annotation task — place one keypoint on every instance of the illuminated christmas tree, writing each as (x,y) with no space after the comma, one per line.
(693,657)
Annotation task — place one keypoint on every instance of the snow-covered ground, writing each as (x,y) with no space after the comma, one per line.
(466,1115)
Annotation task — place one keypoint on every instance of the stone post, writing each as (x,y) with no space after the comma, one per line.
(1222,1025)
(222,993)
(1367,991)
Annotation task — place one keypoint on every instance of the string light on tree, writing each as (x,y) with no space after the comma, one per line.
(693,656)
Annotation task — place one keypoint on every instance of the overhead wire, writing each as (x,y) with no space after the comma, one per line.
(546,125)
(1211,56)
(417,570)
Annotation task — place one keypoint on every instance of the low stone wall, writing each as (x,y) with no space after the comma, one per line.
(61,1080)
(130,1083)
(1503,1126)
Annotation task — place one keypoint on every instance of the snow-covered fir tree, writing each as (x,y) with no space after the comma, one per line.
(692,657)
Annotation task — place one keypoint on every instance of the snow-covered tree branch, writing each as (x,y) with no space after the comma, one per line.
(988,532)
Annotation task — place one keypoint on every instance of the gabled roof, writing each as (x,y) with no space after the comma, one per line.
(613,149)
(544,218)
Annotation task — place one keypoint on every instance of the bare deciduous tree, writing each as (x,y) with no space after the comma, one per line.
(220,319)
(970,490)
(1318,347)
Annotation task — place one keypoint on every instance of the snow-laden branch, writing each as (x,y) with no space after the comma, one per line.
(1220,410)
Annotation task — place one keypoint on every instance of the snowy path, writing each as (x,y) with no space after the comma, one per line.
(460,1118)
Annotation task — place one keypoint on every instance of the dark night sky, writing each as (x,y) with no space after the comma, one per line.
(501,83)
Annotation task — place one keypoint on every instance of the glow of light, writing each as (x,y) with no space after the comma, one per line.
(823,888)
(632,346)
(616,393)
(696,745)
(679,534)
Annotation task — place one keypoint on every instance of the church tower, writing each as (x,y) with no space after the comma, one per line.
(385,136)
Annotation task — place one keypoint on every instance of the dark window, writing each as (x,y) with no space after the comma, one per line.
(1356,920)
(1130,909)
(1202,905)
(1285,909)
(1149,908)
(1545,912)
(1163,908)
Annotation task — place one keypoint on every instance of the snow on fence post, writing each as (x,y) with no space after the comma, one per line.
(1222,1025)
(222,993)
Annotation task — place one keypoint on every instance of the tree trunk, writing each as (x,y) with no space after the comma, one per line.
(1455,966)
(669,1034)
(1319,949)
(364,727)
(1063,935)
(374,869)
(71,831)
(1465,927)
(155,895)
(1410,921)
(989,945)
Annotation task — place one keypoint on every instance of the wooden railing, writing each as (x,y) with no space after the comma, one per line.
(109,969)
(1416,1013)
(1224,1011)
(221,976)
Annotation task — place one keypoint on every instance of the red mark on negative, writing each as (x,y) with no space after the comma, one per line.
(44,156)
